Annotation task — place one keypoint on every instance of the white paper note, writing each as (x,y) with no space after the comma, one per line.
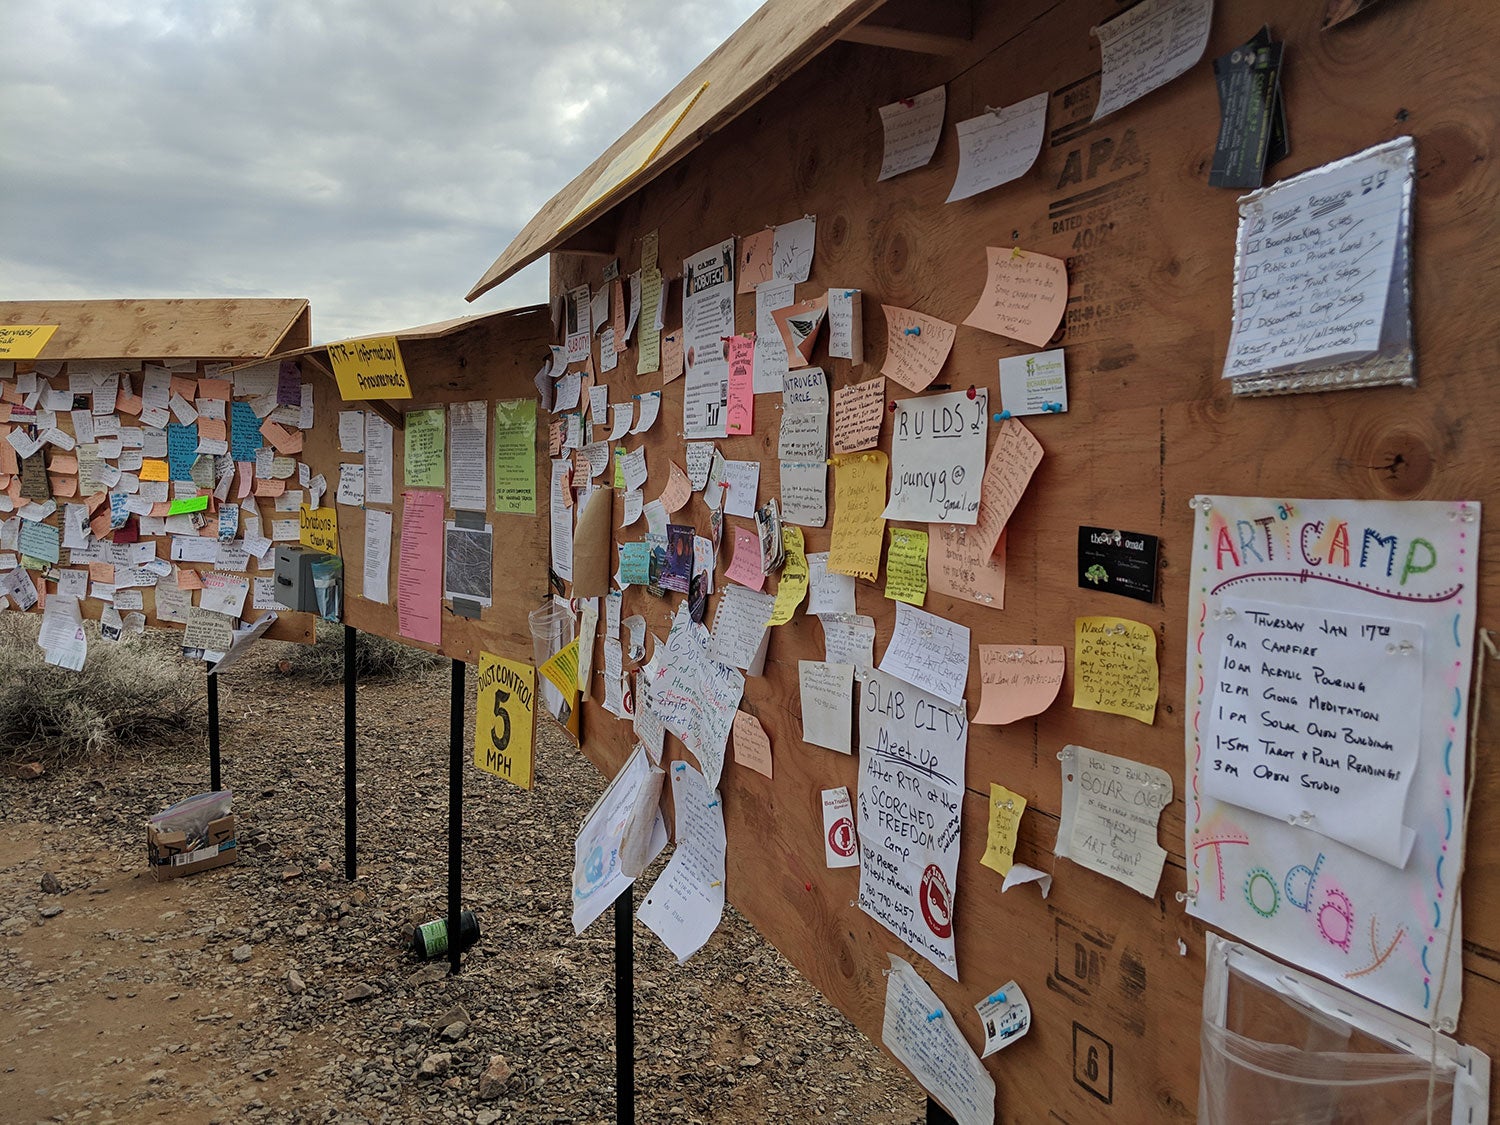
(1148,46)
(937,457)
(377,557)
(1110,808)
(928,651)
(827,695)
(912,127)
(995,148)
(684,905)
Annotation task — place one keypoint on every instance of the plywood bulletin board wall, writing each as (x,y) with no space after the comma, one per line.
(118,340)
(1149,248)
(491,358)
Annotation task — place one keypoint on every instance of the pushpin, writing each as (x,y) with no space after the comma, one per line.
(972,392)
(914,330)
(936,1014)
(1015,253)
(720,883)
(680,766)
(893,408)
(1002,416)
(1052,407)
(713,803)
(850,292)
(908,102)
(995,998)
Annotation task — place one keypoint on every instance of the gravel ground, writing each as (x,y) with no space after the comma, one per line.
(274,990)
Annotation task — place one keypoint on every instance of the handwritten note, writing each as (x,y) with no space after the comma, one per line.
(858,411)
(1017,681)
(752,746)
(937,457)
(1110,810)
(792,587)
(804,492)
(1114,667)
(792,248)
(684,905)
(1034,384)
(930,652)
(997,147)
(906,566)
(671,356)
(1148,46)
(1024,297)
(804,416)
(958,565)
(827,593)
(1315,255)
(743,486)
(912,128)
(1006,808)
(1010,467)
(827,693)
(846,333)
(849,638)
(916,347)
(698,696)
(1314,717)
(740,626)
(699,458)
(755,255)
(744,565)
(771,360)
(911,783)
(858,526)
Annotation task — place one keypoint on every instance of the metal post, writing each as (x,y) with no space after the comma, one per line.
(937,1115)
(625,1007)
(351,638)
(213,732)
(455,813)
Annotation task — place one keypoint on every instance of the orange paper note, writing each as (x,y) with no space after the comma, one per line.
(671,356)
(185,385)
(916,347)
(99,525)
(678,489)
(1024,297)
(752,747)
(1007,473)
(188,579)
(755,259)
(270,487)
(153,470)
(102,572)
(1017,681)
(127,403)
(958,565)
(286,441)
(64,486)
(744,567)
(215,388)
(63,463)
(215,429)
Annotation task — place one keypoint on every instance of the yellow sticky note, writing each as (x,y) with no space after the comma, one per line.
(368,369)
(906,566)
(153,470)
(318,528)
(24,341)
(858,526)
(503,718)
(1005,820)
(1114,667)
(794,576)
(561,670)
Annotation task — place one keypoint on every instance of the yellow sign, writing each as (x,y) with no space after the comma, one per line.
(561,671)
(369,369)
(1005,819)
(1114,667)
(319,529)
(503,723)
(24,341)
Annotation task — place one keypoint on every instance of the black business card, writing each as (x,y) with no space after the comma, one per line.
(1252,125)
(1120,562)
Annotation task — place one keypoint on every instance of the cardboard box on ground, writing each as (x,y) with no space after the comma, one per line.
(172,854)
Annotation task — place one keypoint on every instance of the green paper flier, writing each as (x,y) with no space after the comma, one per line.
(515,457)
(425,447)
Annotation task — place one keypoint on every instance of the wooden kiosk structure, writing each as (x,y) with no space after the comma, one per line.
(787,126)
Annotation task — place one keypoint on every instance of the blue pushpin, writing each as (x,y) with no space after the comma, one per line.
(680,766)
(913,331)
(995,998)
(1002,416)
(850,292)
(936,1015)
(1052,407)
(713,803)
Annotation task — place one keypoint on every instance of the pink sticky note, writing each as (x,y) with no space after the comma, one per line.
(1024,297)
(741,410)
(751,745)
(678,489)
(1007,473)
(214,388)
(744,568)
(754,264)
(246,477)
(1017,681)
(916,347)
(419,582)
(958,565)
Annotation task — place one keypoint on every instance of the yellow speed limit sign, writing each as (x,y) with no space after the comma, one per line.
(502,725)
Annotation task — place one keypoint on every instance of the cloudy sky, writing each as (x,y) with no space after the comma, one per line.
(374,156)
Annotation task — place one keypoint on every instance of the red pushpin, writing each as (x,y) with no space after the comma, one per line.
(893,408)
(972,392)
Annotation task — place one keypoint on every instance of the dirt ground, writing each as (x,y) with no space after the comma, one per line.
(274,990)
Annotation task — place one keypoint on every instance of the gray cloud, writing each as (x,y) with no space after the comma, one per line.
(374,156)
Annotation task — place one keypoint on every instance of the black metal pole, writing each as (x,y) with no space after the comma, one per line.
(213,732)
(455,814)
(937,1115)
(351,638)
(625,1007)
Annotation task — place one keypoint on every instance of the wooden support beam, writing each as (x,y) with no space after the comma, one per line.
(932,27)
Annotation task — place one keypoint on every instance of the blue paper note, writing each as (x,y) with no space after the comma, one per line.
(244,431)
(182,451)
(39,540)
(635,564)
